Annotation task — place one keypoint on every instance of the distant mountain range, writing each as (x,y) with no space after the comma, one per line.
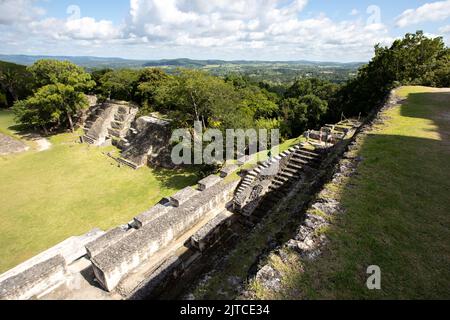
(116,63)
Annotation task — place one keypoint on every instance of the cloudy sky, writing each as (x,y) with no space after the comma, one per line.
(325,30)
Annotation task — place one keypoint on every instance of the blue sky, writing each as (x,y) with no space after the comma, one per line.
(329,30)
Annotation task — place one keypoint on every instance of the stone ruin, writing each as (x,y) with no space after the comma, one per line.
(107,121)
(142,141)
(147,248)
(136,260)
(147,143)
(263,187)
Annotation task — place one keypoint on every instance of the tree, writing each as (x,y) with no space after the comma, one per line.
(15,82)
(150,80)
(295,117)
(260,104)
(58,96)
(51,106)
(120,84)
(192,95)
(413,60)
(46,72)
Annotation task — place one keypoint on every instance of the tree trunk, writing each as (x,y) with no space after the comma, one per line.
(69,117)
(45,130)
(197,115)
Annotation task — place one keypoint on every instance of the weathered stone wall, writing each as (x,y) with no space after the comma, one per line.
(111,119)
(46,270)
(148,143)
(120,258)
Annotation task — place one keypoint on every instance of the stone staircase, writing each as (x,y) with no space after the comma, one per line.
(257,195)
(111,119)
(247,184)
(299,160)
(122,122)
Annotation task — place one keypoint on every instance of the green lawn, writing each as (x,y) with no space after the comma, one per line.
(68,190)
(397,212)
(6,122)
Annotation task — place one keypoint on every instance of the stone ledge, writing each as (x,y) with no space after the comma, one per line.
(208,182)
(150,215)
(35,280)
(114,263)
(206,234)
(183,196)
(70,250)
(107,239)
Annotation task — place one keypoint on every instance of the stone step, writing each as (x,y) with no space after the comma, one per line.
(308,152)
(88,140)
(294,166)
(281,179)
(305,157)
(297,160)
(288,175)
(127,163)
(278,183)
(292,171)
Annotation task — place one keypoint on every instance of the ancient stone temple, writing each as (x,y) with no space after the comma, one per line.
(157,247)
(147,143)
(109,120)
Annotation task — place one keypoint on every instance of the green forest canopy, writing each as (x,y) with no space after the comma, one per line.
(231,101)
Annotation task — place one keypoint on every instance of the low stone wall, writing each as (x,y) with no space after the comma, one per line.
(34,280)
(46,270)
(120,258)
(211,232)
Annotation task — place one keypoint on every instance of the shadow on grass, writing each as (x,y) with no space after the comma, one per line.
(176,178)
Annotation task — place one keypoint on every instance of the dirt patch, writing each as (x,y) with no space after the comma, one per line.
(9,145)
(42,143)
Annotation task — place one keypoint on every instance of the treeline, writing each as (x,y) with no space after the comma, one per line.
(234,100)
(15,83)
(413,60)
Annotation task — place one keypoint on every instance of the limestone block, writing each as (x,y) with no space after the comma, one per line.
(182,196)
(208,234)
(150,215)
(118,260)
(35,280)
(107,239)
(70,250)
(208,182)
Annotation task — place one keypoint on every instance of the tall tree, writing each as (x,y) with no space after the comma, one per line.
(58,98)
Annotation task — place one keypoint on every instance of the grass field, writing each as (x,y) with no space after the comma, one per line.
(397,212)
(48,196)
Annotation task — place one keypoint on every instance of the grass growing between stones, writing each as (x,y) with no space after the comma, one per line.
(397,213)
(49,196)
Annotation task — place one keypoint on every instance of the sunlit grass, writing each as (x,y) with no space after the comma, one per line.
(397,212)
(68,190)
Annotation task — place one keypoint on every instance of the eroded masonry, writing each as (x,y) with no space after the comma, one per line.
(138,259)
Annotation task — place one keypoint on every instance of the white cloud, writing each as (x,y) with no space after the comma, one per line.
(85,28)
(247,29)
(435,11)
(271,25)
(445,29)
(354,12)
(17,11)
